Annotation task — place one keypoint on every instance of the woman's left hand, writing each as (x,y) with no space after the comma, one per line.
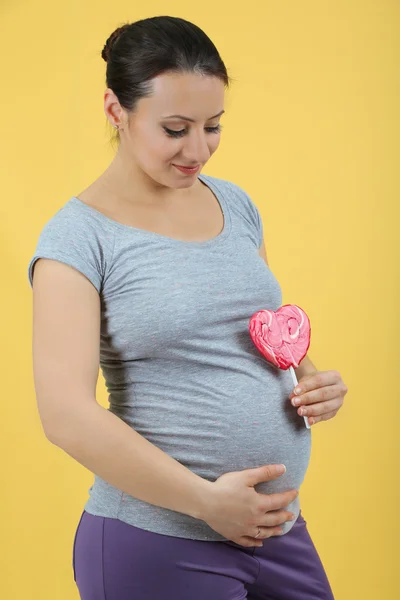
(321,395)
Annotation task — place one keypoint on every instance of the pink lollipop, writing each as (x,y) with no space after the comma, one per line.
(282,337)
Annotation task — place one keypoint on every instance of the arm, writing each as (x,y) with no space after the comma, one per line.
(306,367)
(107,446)
(66,330)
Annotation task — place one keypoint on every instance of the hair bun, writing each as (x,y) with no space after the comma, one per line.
(108,46)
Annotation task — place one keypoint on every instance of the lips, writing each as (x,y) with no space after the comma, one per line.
(187,166)
(187,170)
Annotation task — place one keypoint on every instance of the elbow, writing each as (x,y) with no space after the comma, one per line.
(50,435)
(52,430)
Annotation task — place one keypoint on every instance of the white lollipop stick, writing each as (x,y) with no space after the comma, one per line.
(293,374)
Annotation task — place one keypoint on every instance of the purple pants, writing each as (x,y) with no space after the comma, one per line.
(113,560)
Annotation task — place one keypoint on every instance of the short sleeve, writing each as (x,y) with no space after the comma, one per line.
(259,223)
(72,239)
(251,213)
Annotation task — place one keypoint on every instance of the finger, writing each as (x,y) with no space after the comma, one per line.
(278,500)
(315,410)
(318,380)
(274,518)
(249,542)
(324,417)
(265,533)
(319,395)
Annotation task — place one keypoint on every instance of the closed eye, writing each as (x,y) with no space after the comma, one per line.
(181,132)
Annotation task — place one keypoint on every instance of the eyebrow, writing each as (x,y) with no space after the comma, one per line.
(192,120)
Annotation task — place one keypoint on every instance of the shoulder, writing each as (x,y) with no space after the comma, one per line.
(76,237)
(233,190)
(239,200)
(80,217)
(225,184)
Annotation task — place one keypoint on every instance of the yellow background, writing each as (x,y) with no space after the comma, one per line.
(311,132)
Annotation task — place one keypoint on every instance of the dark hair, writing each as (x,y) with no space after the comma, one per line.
(137,52)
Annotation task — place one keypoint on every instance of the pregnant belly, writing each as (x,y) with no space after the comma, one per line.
(245,440)
(238,423)
(249,439)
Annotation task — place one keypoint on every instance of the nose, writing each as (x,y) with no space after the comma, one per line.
(196,148)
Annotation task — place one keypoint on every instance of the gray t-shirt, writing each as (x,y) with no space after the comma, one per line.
(176,354)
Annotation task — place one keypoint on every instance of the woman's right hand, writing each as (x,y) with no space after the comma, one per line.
(235,509)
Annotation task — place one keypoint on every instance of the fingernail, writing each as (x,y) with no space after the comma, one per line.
(296,401)
(297,390)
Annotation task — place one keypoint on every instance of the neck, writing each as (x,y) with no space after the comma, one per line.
(124,179)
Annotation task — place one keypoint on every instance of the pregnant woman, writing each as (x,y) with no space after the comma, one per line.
(153,272)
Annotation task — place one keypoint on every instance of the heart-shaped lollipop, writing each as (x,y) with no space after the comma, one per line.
(282,337)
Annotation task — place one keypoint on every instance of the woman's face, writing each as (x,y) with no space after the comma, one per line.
(154,141)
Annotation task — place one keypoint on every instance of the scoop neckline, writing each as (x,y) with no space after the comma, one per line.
(129,228)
